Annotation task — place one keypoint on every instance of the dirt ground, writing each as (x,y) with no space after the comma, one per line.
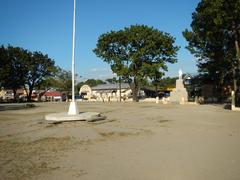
(137,141)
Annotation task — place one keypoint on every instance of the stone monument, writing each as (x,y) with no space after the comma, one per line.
(233,105)
(179,94)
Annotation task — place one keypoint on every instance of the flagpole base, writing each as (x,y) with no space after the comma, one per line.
(73,109)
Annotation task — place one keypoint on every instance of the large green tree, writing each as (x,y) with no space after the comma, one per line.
(214,39)
(134,52)
(22,68)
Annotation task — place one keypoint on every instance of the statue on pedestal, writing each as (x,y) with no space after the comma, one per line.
(180,74)
(179,94)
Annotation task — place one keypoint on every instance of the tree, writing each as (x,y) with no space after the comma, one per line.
(94,82)
(79,85)
(214,39)
(22,68)
(61,81)
(112,80)
(168,82)
(156,77)
(12,68)
(48,83)
(64,79)
(90,82)
(39,67)
(135,51)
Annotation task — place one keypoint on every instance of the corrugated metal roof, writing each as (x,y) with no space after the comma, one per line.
(111,86)
(52,93)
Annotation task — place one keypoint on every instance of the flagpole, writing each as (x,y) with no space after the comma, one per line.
(73,113)
(73,110)
(73,52)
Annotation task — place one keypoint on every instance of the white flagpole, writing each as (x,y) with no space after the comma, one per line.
(73,52)
(73,110)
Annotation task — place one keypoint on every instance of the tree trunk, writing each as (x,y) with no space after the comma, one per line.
(135,90)
(29,95)
(234,80)
(237,48)
(120,89)
(238,58)
(221,85)
(15,95)
(156,90)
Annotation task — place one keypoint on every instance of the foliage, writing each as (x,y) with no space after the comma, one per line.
(90,82)
(38,66)
(22,68)
(112,80)
(94,82)
(48,83)
(12,70)
(156,78)
(79,85)
(64,79)
(214,38)
(168,82)
(136,53)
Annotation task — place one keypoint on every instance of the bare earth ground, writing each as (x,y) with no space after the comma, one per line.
(137,142)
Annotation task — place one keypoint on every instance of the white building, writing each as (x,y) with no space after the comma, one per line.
(106,92)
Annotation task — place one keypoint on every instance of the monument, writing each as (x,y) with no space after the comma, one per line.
(179,94)
(233,104)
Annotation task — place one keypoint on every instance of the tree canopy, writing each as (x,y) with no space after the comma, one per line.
(136,53)
(38,66)
(112,80)
(12,70)
(22,68)
(90,82)
(214,39)
(62,80)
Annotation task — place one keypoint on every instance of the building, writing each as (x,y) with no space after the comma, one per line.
(7,95)
(51,95)
(106,92)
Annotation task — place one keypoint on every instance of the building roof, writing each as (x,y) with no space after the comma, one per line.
(52,93)
(111,86)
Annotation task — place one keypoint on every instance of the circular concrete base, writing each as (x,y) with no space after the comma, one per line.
(84,116)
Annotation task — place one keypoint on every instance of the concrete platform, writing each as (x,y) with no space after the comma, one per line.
(234,108)
(15,106)
(82,116)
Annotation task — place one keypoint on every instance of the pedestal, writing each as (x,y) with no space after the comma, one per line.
(179,94)
(73,109)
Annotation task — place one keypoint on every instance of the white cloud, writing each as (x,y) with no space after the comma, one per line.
(93,70)
(99,70)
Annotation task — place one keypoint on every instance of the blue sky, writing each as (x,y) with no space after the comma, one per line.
(46,26)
